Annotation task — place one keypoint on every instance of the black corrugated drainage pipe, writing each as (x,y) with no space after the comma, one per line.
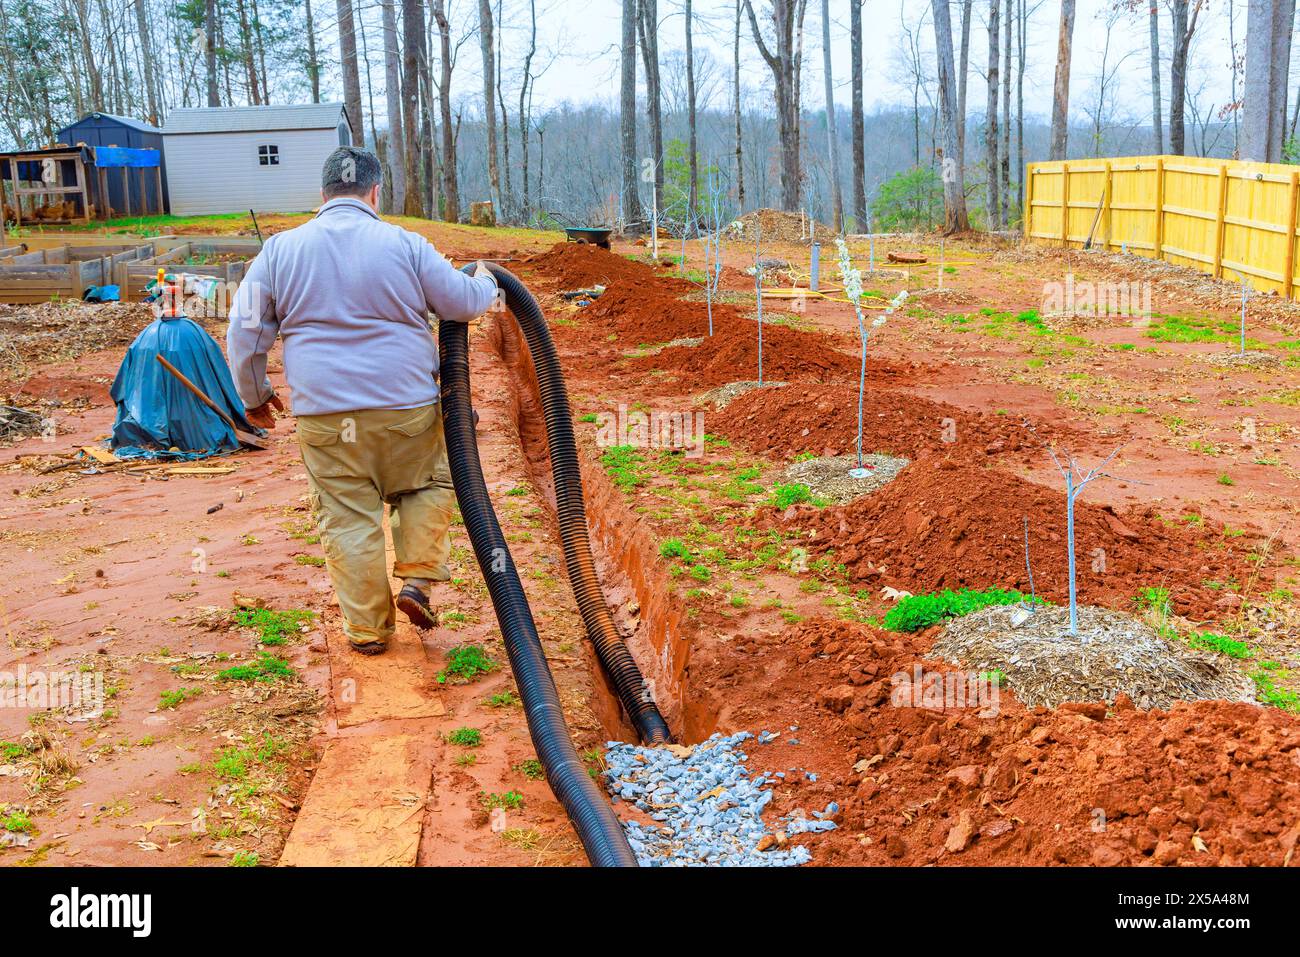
(615,658)
(597,826)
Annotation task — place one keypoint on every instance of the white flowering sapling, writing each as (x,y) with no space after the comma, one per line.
(852,279)
(713,244)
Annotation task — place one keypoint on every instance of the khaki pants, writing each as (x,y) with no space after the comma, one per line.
(357,462)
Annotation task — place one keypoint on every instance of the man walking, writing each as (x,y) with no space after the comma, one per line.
(350,295)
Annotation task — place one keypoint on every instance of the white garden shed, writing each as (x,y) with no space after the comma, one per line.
(229,159)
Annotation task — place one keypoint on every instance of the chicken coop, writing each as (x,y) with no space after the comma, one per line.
(61,185)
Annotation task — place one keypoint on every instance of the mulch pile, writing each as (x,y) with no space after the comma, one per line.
(775,226)
(1208,782)
(955,525)
(58,331)
(823,420)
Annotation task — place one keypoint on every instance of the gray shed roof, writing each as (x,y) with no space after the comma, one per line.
(247,119)
(135,124)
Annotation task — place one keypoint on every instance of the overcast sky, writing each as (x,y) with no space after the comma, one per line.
(583,36)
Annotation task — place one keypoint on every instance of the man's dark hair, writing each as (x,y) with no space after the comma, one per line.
(349,171)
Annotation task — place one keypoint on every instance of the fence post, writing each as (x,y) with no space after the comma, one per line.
(1105,211)
(1219,229)
(1288,279)
(1160,208)
(1028,212)
(1065,204)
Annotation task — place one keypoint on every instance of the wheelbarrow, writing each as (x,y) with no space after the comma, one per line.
(588,234)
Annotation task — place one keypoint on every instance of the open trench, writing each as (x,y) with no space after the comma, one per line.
(646,612)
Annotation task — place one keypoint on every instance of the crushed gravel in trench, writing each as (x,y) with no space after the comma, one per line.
(705,806)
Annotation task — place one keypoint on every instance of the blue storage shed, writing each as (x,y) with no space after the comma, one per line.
(106,129)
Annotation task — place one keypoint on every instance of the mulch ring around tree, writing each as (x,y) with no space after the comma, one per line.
(1114,653)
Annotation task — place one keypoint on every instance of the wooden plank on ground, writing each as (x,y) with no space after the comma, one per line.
(102,456)
(397,684)
(366,803)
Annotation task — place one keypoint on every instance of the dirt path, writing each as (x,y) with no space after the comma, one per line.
(135,576)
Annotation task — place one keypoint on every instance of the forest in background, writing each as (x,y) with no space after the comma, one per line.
(446,93)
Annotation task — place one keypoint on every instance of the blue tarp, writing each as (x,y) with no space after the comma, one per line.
(115,156)
(155,411)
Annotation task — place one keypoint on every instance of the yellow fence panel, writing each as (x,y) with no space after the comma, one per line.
(1229,219)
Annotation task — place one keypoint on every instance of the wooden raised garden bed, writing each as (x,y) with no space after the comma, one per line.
(65,272)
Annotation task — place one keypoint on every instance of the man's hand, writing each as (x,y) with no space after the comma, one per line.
(481,269)
(262,416)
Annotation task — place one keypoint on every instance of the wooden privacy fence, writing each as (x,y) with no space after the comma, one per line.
(1230,219)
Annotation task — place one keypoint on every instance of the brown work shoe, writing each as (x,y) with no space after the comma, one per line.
(415,605)
(376,647)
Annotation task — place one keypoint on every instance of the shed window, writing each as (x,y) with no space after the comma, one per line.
(268,156)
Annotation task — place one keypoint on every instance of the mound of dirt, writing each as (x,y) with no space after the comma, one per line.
(732,353)
(775,226)
(580,265)
(959,525)
(1206,782)
(823,420)
(650,311)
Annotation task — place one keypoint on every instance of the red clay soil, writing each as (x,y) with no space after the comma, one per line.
(732,354)
(649,312)
(954,525)
(823,420)
(1072,786)
(580,265)
(643,306)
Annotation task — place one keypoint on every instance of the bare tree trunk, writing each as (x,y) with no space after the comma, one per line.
(261,52)
(1004,152)
(450,191)
(1021,48)
(370,106)
(313,64)
(692,132)
(210,50)
(786,16)
(395,154)
(250,63)
(962,76)
(525,115)
(859,137)
(837,199)
(507,191)
(1259,77)
(1178,78)
(648,30)
(991,121)
(146,57)
(489,102)
(1061,86)
(740,159)
(1279,86)
(955,218)
(412,32)
(1157,122)
(627,114)
(348,66)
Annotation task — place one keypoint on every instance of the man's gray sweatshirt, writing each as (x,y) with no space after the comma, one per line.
(350,294)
